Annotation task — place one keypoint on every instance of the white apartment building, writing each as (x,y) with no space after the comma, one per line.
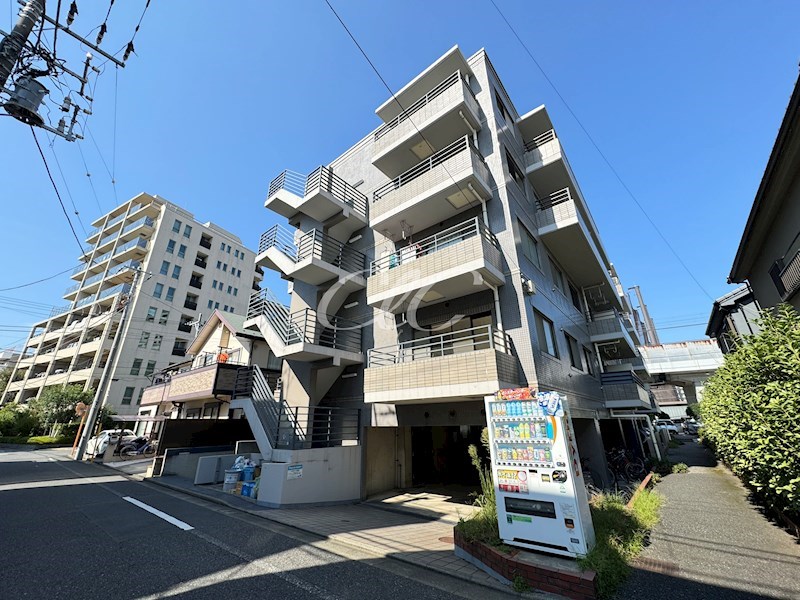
(187,269)
(447,254)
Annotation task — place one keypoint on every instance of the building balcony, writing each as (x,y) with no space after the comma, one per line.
(323,196)
(45,356)
(313,257)
(461,365)
(123,272)
(196,282)
(92,345)
(199,262)
(541,151)
(304,335)
(137,228)
(609,332)
(441,186)
(205,243)
(564,230)
(190,304)
(109,293)
(624,389)
(179,350)
(786,276)
(93,235)
(185,327)
(460,260)
(206,377)
(137,246)
(80,374)
(445,112)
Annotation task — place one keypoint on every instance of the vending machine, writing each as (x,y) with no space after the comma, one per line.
(542,502)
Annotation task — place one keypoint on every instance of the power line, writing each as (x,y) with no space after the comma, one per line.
(66,185)
(60,201)
(602,155)
(16,287)
(89,176)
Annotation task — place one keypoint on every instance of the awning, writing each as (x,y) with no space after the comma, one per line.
(137,418)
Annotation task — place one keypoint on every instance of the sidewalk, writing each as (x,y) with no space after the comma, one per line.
(712,543)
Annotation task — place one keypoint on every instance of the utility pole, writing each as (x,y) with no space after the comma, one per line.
(11,46)
(649,326)
(105,379)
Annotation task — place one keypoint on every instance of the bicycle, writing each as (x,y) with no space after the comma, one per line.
(624,466)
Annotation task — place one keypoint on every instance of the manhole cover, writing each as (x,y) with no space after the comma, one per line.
(448,539)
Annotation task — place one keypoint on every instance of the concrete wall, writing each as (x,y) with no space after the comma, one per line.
(380,451)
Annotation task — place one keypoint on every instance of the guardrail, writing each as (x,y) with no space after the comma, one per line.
(434,243)
(621,378)
(540,140)
(787,275)
(324,179)
(554,199)
(312,244)
(290,181)
(446,344)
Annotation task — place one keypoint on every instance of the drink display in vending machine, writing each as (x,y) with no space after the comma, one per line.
(541,497)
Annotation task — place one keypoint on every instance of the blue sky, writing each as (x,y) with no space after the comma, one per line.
(684,99)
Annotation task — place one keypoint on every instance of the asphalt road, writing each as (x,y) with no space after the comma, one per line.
(73,531)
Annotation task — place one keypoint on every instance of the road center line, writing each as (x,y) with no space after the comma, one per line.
(168,518)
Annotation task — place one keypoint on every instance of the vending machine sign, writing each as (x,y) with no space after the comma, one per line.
(541,498)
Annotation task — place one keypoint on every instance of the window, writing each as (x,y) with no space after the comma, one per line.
(558,277)
(576,297)
(239,273)
(501,107)
(222,246)
(216,304)
(229,250)
(137,366)
(187,231)
(171,246)
(530,247)
(157,341)
(145,337)
(225,267)
(157,290)
(231,309)
(151,366)
(230,289)
(219,264)
(164,317)
(151,314)
(514,170)
(139,396)
(176,272)
(128,395)
(210,304)
(235,291)
(241,255)
(236,253)
(546,335)
(589,359)
(214,284)
(170,294)
(225,308)
(182,251)
(574,352)
(176,226)
(164,267)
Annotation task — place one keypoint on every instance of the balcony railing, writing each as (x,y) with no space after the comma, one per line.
(305,326)
(434,243)
(554,199)
(113,221)
(85,301)
(786,275)
(60,310)
(179,350)
(419,104)
(190,304)
(122,288)
(196,282)
(313,244)
(446,157)
(621,377)
(540,140)
(199,262)
(321,179)
(185,327)
(144,221)
(137,243)
(446,344)
(224,356)
(205,243)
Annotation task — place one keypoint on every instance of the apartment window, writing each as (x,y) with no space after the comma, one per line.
(151,366)
(162,320)
(216,304)
(214,284)
(589,359)
(182,251)
(137,366)
(530,247)
(158,290)
(139,396)
(164,267)
(574,352)
(558,277)
(128,395)
(176,226)
(501,107)
(171,246)
(546,334)
(219,264)
(143,339)
(229,250)
(236,253)
(225,267)
(235,291)
(151,314)
(176,272)
(210,304)
(222,246)
(231,309)
(576,297)
(225,308)
(241,255)
(514,170)
(157,341)
(187,231)
(230,289)
(170,294)
(239,273)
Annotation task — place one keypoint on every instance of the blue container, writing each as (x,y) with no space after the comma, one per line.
(247,490)
(248,473)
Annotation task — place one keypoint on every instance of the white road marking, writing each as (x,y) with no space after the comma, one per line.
(168,518)
(27,485)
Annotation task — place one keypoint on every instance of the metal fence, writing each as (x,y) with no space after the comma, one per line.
(313,244)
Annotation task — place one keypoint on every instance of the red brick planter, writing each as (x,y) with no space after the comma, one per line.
(580,586)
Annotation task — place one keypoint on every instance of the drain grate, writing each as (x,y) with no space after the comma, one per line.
(657,566)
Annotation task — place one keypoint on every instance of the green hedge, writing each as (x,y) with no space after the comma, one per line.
(751,410)
(42,440)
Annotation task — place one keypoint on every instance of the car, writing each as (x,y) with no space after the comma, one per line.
(666,424)
(98,444)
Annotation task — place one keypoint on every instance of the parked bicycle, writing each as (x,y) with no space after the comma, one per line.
(624,466)
(139,446)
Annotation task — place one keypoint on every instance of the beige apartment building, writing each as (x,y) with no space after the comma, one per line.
(183,271)
(447,254)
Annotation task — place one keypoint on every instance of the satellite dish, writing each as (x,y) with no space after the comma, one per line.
(25,100)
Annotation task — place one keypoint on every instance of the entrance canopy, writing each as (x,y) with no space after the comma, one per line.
(137,418)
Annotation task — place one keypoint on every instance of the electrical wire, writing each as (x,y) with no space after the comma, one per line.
(60,201)
(55,32)
(16,287)
(66,186)
(603,156)
(89,176)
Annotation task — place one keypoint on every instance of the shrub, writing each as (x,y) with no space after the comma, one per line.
(16,420)
(661,467)
(750,407)
(680,468)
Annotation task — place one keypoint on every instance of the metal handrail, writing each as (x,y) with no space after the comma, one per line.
(620,377)
(540,140)
(460,145)
(790,275)
(323,178)
(436,91)
(146,221)
(454,342)
(140,242)
(434,243)
(312,244)
(289,181)
(554,199)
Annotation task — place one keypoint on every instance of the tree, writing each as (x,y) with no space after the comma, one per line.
(5,376)
(751,410)
(56,405)
(693,410)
